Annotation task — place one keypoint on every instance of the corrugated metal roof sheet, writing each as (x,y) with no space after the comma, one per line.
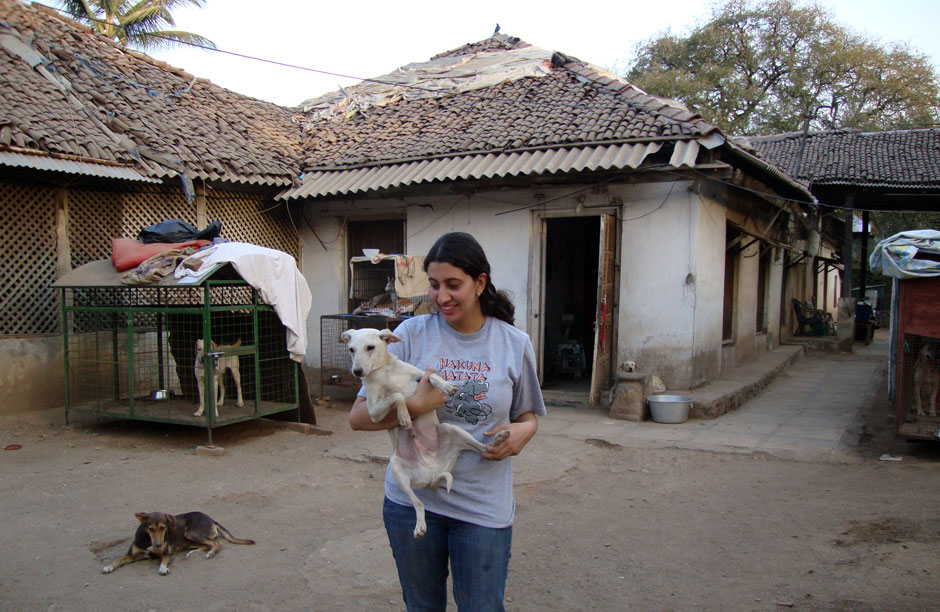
(43,162)
(486,165)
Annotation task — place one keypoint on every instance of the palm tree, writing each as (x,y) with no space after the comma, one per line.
(142,23)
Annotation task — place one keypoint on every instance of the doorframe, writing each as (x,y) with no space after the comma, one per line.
(535,319)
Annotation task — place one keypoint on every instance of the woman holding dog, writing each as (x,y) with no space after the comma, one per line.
(471,341)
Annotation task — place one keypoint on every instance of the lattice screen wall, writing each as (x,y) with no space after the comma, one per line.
(94,218)
(28,266)
(28,226)
(249,217)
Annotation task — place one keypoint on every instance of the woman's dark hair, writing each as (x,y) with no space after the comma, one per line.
(462,250)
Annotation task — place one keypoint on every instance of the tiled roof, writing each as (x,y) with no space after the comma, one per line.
(898,158)
(69,93)
(572,104)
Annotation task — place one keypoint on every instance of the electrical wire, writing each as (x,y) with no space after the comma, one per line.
(251,57)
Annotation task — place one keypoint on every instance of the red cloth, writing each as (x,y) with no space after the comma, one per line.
(127,253)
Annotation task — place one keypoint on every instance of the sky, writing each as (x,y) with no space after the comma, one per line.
(370,38)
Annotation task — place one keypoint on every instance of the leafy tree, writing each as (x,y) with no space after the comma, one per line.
(766,67)
(142,24)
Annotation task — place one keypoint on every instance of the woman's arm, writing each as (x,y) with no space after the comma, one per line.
(521,431)
(425,399)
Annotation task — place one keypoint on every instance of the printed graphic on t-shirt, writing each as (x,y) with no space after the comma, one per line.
(468,403)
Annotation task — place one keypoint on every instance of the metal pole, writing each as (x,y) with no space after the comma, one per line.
(863,259)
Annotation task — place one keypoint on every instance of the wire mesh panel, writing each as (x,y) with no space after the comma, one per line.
(335,363)
(920,387)
(203,355)
(370,280)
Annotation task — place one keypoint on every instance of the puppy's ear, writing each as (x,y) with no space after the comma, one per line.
(237,343)
(388,337)
(142,516)
(345,337)
(215,346)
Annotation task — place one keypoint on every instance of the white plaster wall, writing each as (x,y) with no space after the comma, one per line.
(773,300)
(709,222)
(657,300)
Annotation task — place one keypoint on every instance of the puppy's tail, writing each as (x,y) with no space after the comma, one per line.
(225,533)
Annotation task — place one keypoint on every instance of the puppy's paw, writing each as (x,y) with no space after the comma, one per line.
(240,403)
(198,412)
(500,437)
(164,570)
(420,529)
(210,554)
(404,419)
(450,388)
(107,569)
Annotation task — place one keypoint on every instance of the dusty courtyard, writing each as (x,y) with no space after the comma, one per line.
(599,526)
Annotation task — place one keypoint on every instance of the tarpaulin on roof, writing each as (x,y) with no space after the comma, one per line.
(436,78)
(903,255)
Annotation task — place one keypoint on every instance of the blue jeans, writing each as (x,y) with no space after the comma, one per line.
(479,560)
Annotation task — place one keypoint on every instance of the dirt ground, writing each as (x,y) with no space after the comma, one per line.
(599,527)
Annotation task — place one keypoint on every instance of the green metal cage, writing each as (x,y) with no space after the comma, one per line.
(131,350)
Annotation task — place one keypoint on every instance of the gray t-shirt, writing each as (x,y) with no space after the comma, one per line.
(495,371)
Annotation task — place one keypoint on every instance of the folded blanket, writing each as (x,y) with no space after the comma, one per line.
(127,253)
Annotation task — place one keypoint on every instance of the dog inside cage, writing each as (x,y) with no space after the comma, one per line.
(207,354)
(920,376)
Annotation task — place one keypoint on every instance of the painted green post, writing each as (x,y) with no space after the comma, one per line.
(130,361)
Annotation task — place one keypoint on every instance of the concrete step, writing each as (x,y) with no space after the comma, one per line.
(730,391)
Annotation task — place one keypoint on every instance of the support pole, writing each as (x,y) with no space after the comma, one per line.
(848,256)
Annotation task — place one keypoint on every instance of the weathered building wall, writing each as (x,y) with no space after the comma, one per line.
(505,239)
(659,280)
(33,375)
(671,268)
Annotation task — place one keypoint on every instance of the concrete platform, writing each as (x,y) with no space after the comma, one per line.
(731,391)
(790,403)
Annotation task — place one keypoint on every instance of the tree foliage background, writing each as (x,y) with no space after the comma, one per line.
(143,24)
(765,67)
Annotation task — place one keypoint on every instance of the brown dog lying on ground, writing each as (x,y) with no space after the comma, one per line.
(160,535)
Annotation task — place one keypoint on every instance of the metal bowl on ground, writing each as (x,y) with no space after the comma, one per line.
(161,395)
(669,408)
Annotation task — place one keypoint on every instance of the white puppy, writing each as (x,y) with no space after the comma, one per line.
(426,450)
(229,363)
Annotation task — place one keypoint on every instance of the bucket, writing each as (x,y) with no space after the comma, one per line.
(669,408)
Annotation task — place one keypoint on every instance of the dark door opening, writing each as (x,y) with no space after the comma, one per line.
(571,258)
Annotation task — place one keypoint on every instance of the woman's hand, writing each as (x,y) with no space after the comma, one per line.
(426,397)
(520,432)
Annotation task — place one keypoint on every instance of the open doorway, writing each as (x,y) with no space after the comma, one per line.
(570,306)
